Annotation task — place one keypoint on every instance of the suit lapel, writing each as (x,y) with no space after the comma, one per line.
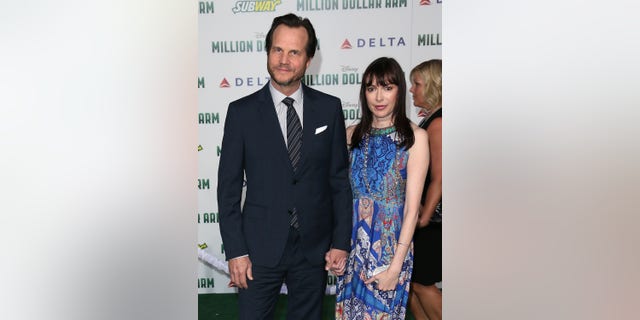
(310,119)
(272,134)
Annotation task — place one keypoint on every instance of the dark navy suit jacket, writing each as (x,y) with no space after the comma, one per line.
(253,145)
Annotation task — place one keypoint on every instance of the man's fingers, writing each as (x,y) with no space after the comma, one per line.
(239,271)
(249,272)
(241,281)
(328,266)
(236,278)
(329,261)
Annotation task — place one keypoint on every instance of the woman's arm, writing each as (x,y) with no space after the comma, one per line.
(416,173)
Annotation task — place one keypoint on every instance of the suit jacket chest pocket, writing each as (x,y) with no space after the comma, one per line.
(320,144)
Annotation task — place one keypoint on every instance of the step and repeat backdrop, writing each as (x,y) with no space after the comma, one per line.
(232,63)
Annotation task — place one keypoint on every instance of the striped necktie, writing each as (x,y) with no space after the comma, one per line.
(294,133)
(294,146)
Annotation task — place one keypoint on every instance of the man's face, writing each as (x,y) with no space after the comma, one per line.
(287,59)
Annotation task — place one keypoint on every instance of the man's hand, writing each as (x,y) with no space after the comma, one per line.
(240,270)
(336,261)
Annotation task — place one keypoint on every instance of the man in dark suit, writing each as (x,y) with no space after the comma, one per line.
(288,140)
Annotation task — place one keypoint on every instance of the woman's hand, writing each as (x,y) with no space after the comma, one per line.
(385,280)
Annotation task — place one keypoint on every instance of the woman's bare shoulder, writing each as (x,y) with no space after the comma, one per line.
(418,132)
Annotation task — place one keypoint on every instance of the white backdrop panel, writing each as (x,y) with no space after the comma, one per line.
(232,64)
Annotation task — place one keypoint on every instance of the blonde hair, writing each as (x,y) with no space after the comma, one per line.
(431,73)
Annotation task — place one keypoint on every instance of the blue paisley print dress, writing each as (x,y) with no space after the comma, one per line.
(378,176)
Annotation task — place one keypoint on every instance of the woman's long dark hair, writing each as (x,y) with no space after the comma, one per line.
(384,71)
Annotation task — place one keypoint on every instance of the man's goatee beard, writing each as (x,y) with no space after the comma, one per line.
(286,83)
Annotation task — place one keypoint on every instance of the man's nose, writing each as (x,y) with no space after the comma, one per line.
(284,58)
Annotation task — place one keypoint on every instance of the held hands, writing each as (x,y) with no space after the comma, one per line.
(336,261)
(385,280)
(240,270)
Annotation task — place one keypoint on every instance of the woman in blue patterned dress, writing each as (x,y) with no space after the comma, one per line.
(389,160)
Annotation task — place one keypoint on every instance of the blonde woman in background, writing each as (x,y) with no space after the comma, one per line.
(425,299)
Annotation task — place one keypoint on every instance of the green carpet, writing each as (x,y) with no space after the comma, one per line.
(225,306)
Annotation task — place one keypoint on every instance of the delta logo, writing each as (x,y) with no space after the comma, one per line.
(244,82)
(380,42)
(256,6)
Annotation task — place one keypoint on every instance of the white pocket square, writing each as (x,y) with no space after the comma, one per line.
(320,129)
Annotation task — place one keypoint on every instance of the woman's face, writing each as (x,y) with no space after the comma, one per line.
(381,100)
(417,92)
